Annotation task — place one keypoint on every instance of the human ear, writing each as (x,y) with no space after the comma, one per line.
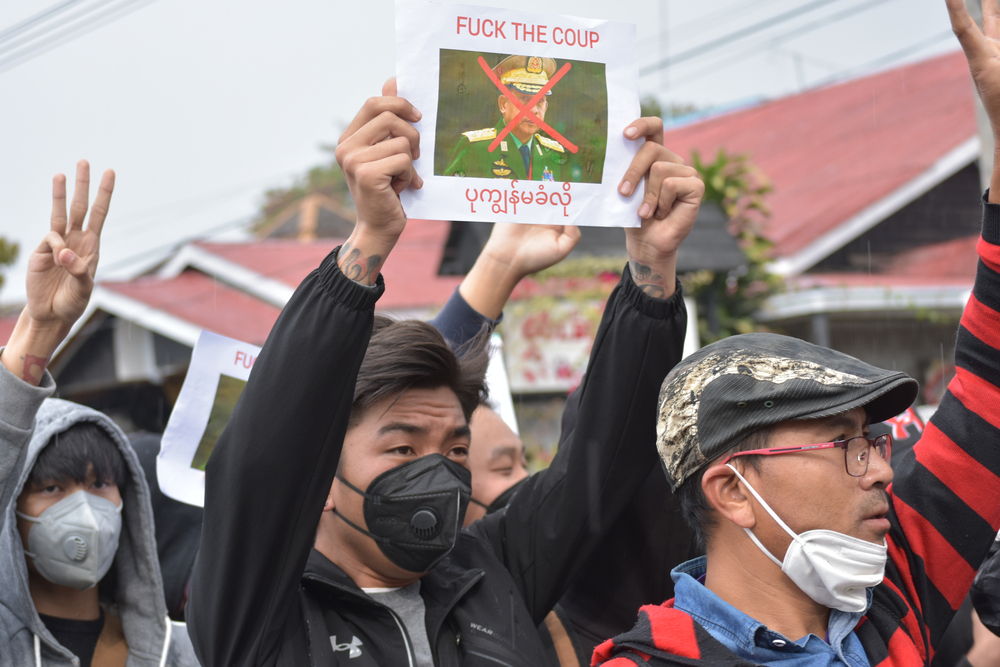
(722,489)
(330,504)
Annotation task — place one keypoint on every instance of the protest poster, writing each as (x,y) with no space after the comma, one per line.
(216,377)
(523,114)
(497,380)
(219,370)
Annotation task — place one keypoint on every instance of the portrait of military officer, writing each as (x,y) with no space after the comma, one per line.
(526,152)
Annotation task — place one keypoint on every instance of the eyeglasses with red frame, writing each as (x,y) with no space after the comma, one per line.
(857,451)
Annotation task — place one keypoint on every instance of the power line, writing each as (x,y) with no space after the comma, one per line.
(49,39)
(737,34)
(734,58)
(727,14)
(173,245)
(199,202)
(870,66)
(27,23)
(805,58)
(887,59)
(39,28)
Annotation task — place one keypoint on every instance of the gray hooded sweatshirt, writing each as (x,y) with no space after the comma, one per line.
(28,419)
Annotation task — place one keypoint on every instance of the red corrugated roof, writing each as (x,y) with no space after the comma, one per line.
(410,271)
(284,260)
(411,278)
(205,302)
(832,152)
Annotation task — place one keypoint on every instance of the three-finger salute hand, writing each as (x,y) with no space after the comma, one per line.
(60,276)
(982,50)
(61,269)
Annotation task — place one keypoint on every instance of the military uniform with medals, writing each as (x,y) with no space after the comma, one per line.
(547,160)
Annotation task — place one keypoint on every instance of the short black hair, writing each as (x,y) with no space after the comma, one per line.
(68,455)
(410,354)
(698,513)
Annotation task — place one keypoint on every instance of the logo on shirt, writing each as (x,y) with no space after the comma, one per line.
(352,648)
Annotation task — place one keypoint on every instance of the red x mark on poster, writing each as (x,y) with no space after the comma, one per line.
(525,111)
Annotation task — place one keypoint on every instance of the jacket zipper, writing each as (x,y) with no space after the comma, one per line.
(461,593)
(406,638)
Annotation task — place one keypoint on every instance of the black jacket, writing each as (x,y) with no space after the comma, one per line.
(261,595)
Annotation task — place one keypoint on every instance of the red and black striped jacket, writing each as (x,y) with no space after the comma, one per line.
(945,512)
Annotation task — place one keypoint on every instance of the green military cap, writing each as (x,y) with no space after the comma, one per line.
(525,74)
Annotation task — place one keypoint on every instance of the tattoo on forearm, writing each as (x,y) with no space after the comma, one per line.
(30,362)
(639,271)
(650,282)
(655,291)
(357,268)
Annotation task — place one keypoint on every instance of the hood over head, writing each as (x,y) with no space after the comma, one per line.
(133,583)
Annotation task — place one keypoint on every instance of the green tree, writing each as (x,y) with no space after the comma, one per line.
(8,255)
(326,179)
(650,106)
(727,301)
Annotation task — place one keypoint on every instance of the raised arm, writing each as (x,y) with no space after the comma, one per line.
(558,517)
(512,252)
(60,275)
(273,466)
(982,50)
(60,280)
(946,494)
(376,153)
(673,192)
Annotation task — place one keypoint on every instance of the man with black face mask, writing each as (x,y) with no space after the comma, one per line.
(334,498)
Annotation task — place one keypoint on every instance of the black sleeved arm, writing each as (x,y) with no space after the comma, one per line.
(459,322)
(557,519)
(272,469)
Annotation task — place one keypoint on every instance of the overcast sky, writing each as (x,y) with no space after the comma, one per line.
(201,106)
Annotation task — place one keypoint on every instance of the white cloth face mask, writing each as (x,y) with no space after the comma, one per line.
(74,541)
(833,569)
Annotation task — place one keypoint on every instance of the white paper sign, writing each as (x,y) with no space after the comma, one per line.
(219,370)
(523,114)
(499,385)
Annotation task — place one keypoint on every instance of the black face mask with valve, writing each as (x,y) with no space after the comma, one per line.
(414,511)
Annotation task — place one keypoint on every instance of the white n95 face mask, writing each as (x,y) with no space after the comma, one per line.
(833,569)
(74,541)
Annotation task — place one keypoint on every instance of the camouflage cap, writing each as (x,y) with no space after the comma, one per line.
(525,74)
(726,391)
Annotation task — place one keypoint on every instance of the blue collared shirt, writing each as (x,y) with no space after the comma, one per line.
(751,639)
